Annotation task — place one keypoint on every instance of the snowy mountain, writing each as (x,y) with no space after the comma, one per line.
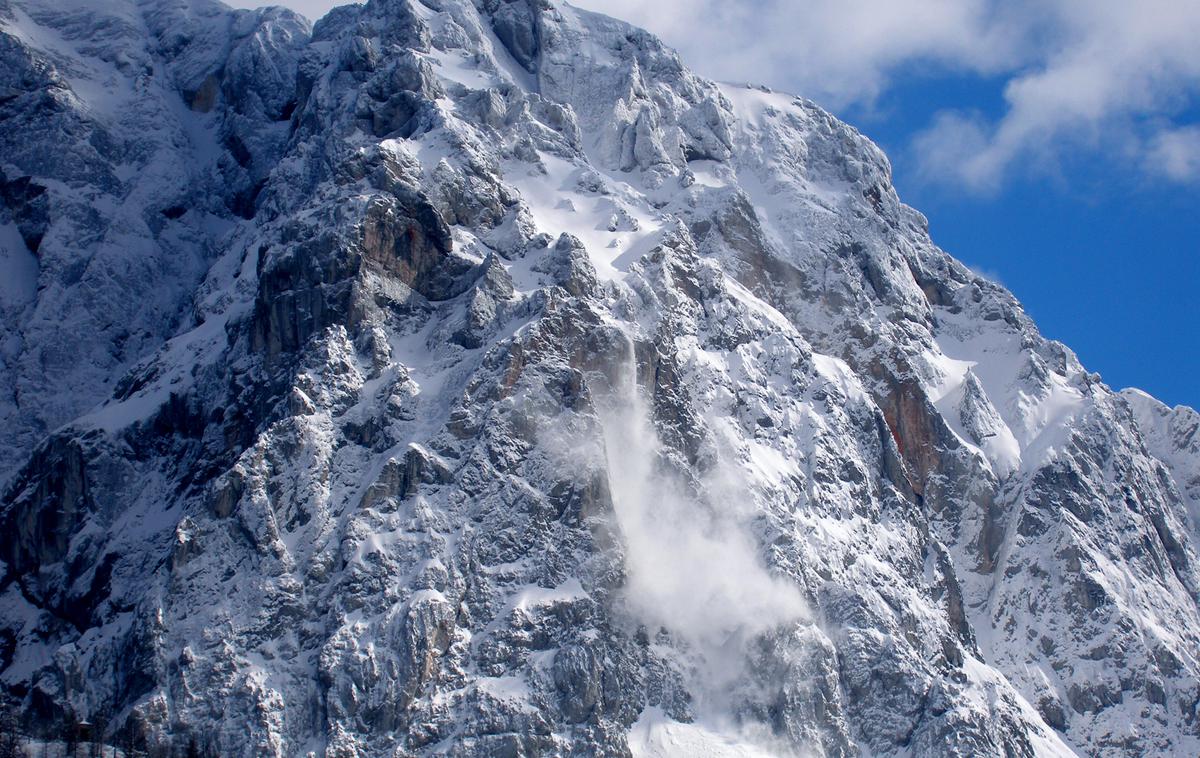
(469,378)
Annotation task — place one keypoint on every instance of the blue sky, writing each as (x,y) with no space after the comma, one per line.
(1053,144)
(1105,257)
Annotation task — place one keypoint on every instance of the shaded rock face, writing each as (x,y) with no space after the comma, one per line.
(46,511)
(26,206)
(125,194)
(472,379)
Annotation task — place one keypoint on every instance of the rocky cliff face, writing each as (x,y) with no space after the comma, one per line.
(470,378)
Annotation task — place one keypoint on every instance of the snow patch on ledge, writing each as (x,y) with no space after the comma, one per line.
(656,735)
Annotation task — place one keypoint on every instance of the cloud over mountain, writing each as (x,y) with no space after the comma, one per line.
(1108,78)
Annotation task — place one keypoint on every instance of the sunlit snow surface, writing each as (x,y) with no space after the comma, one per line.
(657,736)
(617,227)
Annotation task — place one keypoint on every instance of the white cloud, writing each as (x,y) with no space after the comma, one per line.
(1108,78)
(838,52)
(1175,154)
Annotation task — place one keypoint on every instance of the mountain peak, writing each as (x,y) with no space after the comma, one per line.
(475,379)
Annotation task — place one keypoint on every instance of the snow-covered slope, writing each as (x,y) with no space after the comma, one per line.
(470,378)
(118,185)
(1172,435)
